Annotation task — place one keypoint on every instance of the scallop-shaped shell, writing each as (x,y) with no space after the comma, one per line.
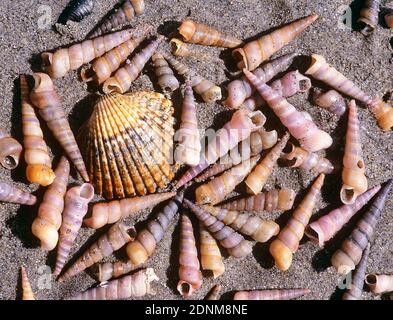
(129,142)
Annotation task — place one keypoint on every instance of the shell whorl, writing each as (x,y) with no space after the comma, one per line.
(76,10)
(166,79)
(10,150)
(108,270)
(9,193)
(270,294)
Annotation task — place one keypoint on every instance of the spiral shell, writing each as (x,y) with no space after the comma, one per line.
(211,258)
(234,242)
(369,16)
(353,175)
(108,270)
(27,292)
(214,293)
(9,193)
(258,229)
(76,10)
(349,254)
(121,81)
(389,19)
(241,89)
(330,100)
(45,98)
(379,283)
(198,33)
(383,112)
(166,79)
(10,150)
(258,51)
(75,208)
(179,48)
(48,221)
(324,72)
(258,177)
(310,137)
(239,128)
(287,242)
(218,188)
(127,11)
(270,294)
(132,286)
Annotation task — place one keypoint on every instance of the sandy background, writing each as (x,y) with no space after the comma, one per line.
(367,61)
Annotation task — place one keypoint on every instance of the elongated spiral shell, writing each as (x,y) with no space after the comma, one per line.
(205,88)
(39,165)
(179,48)
(287,242)
(166,79)
(76,10)
(45,98)
(121,81)
(234,242)
(109,212)
(258,229)
(116,237)
(189,148)
(310,137)
(214,293)
(108,270)
(59,63)
(369,16)
(258,51)
(379,283)
(270,294)
(127,11)
(48,221)
(258,177)
(326,227)
(241,89)
(27,292)
(353,174)
(324,72)
(389,19)
(349,254)
(10,150)
(218,188)
(273,200)
(190,276)
(383,112)
(330,100)
(9,193)
(211,258)
(75,208)
(199,33)
(239,128)
(354,292)
(132,286)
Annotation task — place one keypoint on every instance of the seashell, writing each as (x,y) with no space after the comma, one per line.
(116,237)
(258,177)
(189,148)
(75,208)
(322,71)
(256,228)
(383,112)
(214,293)
(125,13)
(379,283)
(330,100)
(166,79)
(389,19)
(258,51)
(273,200)
(349,254)
(10,150)
(45,98)
(287,242)
(121,81)
(258,140)
(76,10)
(211,258)
(241,89)
(270,294)
(218,188)
(327,226)
(9,193)
(310,137)
(39,165)
(179,48)
(353,174)
(354,292)
(205,88)
(132,286)
(48,221)
(58,64)
(109,212)
(239,128)
(138,129)
(108,270)
(27,292)
(369,16)
(234,242)
(190,276)
(297,157)
(199,33)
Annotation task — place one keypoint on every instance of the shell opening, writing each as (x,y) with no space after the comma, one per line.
(132,232)
(316,62)
(371,279)
(46,60)
(241,59)
(289,148)
(86,191)
(9,162)
(348,195)
(185,289)
(304,85)
(313,234)
(258,119)
(360,164)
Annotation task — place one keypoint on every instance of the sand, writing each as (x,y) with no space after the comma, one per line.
(367,61)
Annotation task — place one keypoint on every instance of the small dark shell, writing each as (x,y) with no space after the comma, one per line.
(76,10)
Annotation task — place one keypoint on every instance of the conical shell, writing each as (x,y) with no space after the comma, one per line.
(9,193)
(271,294)
(129,143)
(76,10)
(27,292)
